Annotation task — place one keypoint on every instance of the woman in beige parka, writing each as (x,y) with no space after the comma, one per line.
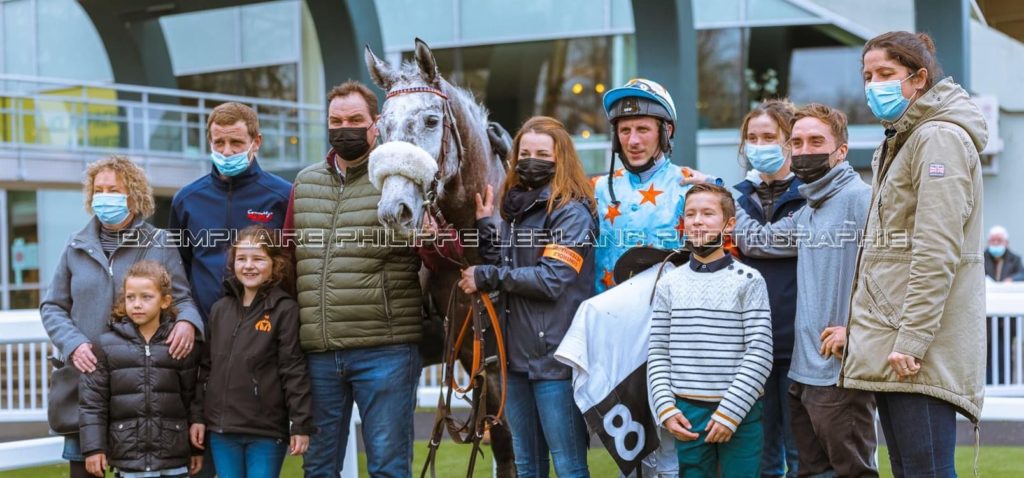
(916,335)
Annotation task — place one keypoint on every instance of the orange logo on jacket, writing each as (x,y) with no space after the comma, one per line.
(264,324)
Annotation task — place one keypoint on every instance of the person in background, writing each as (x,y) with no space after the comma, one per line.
(1001,264)
(769,193)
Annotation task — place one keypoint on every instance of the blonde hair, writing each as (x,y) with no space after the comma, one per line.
(140,193)
(153,271)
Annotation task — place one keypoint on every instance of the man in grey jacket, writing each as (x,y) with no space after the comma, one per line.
(834,427)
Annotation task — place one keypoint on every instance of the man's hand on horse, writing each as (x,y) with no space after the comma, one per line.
(485,207)
(468,282)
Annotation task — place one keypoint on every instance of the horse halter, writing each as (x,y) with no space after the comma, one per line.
(449,131)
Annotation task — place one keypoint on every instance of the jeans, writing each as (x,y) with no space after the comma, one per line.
(73,449)
(921,434)
(382,382)
(779,457)
(543,417)
(240,455)
(740,457)
(834,429)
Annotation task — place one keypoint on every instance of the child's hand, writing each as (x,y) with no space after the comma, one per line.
(833,340)
(96,464)
(299,444)
(195,465)
(679,426)
(717,433)
(196,433)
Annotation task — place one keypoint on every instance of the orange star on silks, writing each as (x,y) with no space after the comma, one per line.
(650,195)
(618,173)
(613,212)
(593,181)
(730,247)
(680,227)
(607,279)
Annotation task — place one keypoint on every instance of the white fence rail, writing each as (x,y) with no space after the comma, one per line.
(25,369)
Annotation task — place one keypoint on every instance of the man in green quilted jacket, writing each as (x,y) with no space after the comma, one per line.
(360,315)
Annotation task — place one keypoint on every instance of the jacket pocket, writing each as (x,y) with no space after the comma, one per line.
(882,305)
(173,439)
(124,441)
(384,291)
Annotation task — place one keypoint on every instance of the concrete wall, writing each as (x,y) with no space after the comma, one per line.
(997,68)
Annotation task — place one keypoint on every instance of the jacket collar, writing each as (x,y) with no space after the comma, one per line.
(89,236)
(269,295)
(124,327)
(748,188)
(251,174)
(351,171)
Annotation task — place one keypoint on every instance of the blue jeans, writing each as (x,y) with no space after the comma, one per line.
(921,434)
(543,417)
(240,455)
(779,456)
(382,382)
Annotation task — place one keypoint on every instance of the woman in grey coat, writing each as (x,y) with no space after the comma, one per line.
(78,303)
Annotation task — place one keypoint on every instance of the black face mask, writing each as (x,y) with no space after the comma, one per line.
(708,248)
(349,143)
(810,167)
(535,173)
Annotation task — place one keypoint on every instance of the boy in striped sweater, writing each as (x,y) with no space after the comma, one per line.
(711,347)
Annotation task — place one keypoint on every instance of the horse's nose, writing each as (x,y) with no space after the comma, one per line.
(400,215)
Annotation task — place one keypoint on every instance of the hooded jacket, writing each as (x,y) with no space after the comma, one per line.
(920,286)
(825,233)
(204,210)
(135,405)
(252,378)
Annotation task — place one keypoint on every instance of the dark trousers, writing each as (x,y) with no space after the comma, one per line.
(920,432)
(779,458)
(834,430)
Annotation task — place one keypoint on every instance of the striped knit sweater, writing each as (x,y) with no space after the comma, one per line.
(711,341)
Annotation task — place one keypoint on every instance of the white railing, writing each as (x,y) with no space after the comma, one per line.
(25,369)
(1005,329)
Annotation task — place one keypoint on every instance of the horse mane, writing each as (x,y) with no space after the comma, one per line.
(465,105)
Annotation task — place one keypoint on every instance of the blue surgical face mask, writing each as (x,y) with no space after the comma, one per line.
(997,251)
(231,165)
(766,158)
(110,208)
(885,98)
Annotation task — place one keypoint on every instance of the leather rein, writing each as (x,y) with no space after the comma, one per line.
(471,430)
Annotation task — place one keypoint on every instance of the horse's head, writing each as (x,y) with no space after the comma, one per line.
(416,112)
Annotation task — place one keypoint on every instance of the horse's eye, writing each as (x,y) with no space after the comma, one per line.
(432,121)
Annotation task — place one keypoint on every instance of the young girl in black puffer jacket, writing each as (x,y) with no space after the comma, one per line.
(135,407)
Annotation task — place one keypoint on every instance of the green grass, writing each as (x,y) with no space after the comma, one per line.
(995,461)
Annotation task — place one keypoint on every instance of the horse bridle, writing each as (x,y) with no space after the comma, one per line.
(471,430)
(449,130)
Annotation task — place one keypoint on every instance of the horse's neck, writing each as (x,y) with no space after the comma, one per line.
(475,172)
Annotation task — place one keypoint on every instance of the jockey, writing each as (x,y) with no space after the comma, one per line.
(642,202)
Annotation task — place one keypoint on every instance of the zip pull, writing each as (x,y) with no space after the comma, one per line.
(147,350)
(110,270)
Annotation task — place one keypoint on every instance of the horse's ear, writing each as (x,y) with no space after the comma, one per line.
(426,62)
(379,69)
